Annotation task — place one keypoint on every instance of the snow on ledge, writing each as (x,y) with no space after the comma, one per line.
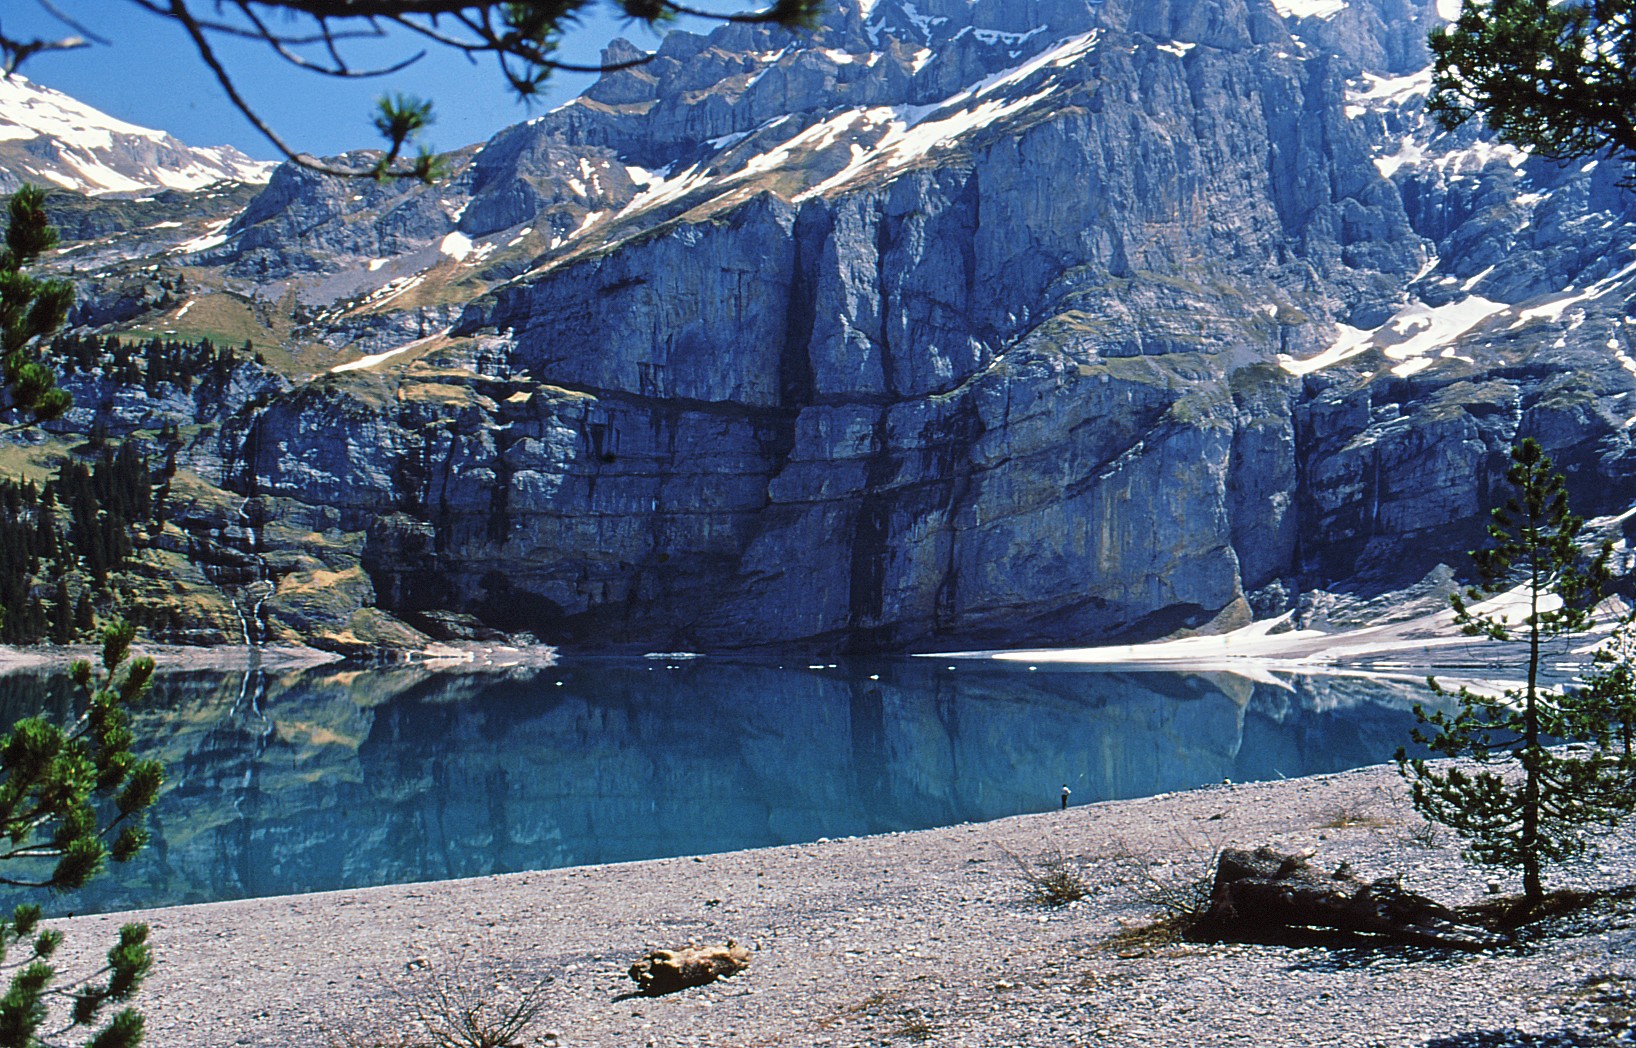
(376,358)
(1324,9)
(1415,331)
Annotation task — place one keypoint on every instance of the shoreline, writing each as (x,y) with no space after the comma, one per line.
(176,658)
(921,936)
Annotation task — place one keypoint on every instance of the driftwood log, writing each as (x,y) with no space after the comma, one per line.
(1264,895)
(666,971)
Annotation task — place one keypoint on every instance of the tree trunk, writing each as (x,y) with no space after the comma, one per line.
(1265,894)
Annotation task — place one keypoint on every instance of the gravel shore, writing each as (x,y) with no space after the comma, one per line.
(925,937)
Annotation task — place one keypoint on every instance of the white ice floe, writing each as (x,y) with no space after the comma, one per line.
(1266,647)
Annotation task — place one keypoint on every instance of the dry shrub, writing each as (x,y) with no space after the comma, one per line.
(1426,834)
(1349,817)
(1053,879)
(1176,885)
(461,1006)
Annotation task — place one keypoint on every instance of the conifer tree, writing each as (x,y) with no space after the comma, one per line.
(1551,76)
(29,309)
(1607,703)
(71,797)
(63,791)
(1525,805)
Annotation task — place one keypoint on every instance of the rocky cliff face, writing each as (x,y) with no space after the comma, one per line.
(956,323)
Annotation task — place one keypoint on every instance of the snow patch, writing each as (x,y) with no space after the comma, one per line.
(1478,279)
(211,237)
(456,245)
(1323,9)
(908,137)
(376,358)
(1553,309)
(1392,90)
(1416,330)
(924,23)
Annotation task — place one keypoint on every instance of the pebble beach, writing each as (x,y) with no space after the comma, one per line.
(929,937)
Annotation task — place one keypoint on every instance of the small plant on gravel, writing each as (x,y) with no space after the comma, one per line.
(1178,889)
(1426,834)
(1180,892)
(1605,1002)
(1348,817)
(915,1027)
(1053,879)
(460,1008)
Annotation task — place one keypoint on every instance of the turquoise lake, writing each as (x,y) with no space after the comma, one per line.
(337,777)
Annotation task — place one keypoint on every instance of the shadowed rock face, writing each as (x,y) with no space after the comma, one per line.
(953,324)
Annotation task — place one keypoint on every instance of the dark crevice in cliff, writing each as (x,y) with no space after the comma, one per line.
(949,456)
(796,382)
(884,303)
(870,546)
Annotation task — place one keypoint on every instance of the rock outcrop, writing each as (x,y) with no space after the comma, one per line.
(951,324)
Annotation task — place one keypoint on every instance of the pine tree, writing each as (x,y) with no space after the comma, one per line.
(62,792)
(62,614)
(1607,703)
(29,309)
(1554,78)
(71,797)
(1525,805)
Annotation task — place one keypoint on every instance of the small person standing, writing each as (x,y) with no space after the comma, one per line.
(1065,792)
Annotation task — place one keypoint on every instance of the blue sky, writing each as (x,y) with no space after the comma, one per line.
(151,76)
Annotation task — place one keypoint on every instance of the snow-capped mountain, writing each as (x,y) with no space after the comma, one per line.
(952,323)
(54,140)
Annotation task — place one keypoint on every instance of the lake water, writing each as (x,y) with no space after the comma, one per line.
(332,778)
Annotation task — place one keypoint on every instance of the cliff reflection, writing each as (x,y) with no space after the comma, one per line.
(327,778)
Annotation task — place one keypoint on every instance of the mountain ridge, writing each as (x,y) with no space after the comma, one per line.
(52,139)
(1165,316)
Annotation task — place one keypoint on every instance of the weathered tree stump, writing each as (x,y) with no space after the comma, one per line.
(1265,894)
(666,971)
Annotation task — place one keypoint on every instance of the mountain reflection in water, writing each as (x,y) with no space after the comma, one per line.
(333,778)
